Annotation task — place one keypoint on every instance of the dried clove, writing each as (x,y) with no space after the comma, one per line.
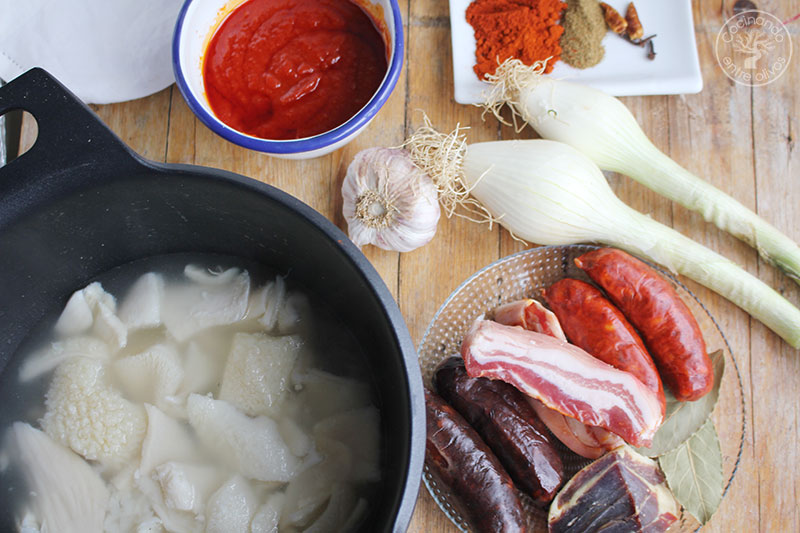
(651,52)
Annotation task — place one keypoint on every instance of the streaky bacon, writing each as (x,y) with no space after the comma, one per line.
(587,441)
(564,378)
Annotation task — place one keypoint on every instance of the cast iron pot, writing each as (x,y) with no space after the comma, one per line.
(80,203)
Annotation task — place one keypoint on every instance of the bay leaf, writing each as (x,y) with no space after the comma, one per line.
(694,472)
(684,419)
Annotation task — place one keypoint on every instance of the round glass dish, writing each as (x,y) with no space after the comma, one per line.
(524,275)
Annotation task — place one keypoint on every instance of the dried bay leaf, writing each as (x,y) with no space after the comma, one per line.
(694,472)
(684,419)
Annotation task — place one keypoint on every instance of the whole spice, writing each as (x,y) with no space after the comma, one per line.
(635,30)
(614,20)
(527,30)
(388,201)
(584,29)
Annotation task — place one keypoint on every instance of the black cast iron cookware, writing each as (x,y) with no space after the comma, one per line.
(80,203)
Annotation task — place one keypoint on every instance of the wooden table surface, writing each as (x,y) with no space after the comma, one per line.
(741,139)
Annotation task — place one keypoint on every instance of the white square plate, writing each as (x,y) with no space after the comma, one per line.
(624,70)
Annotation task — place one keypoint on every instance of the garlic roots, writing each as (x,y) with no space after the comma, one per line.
(389,201)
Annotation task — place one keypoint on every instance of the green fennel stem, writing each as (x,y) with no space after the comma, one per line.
(655,170)
(719,274)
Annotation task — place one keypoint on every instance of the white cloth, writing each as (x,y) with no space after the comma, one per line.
(102,50)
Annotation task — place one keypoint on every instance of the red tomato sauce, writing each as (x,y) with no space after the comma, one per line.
(288,69)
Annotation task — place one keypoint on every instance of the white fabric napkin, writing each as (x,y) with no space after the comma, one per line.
(102,50)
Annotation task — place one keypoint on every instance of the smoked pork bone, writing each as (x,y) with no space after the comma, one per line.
(668,327)
(587,441)
(620,492)
(461,463)
(593,323)
(564,378)
(508,424)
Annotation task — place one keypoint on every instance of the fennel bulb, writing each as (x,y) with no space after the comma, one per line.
(601,127)
(548,192)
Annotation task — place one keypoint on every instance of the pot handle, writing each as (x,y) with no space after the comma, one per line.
(70,134)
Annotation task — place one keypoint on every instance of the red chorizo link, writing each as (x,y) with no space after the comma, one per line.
(592,322)
(462,463)
(505,420)
(668,327)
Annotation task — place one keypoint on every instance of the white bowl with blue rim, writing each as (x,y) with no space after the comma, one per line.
(195,22)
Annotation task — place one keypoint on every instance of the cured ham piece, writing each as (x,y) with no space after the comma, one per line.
(531,315)
(622,491)
(564,378)
(587,441)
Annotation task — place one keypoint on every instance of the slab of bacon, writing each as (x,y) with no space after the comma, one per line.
(622,491)
(564,378)
(587,441)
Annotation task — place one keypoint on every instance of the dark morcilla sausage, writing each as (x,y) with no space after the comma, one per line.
(464,465)
(505,420)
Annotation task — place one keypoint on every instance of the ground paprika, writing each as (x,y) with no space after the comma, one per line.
(527,30)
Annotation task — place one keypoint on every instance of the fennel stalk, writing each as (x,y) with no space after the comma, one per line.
(548,192)
(601,127)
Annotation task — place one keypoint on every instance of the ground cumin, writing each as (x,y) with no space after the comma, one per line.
(527,30)
(584,29)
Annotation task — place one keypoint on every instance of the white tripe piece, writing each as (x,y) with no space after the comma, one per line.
(57,352)
(128,509)
(309,491)
(166,440)
(207,301)
(89,416)
(296,439)
(257,373)
(337,513)
(152,375)
(274,300)
(253,446)
(187,486)
(292,314)
(92,308)
(202,369)
(325,394)
(359,431)
(231,508)
(209,276)
(141,307)
(67,496)
(76,318)
(268,516)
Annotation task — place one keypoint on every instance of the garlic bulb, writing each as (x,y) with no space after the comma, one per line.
(389,201)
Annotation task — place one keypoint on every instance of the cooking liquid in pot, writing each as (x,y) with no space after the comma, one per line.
(200,398)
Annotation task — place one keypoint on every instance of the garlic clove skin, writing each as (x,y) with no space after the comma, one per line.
(388,201)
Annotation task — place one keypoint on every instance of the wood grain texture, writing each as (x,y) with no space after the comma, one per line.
(739,138)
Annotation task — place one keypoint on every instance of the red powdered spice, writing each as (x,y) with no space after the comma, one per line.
(527,30)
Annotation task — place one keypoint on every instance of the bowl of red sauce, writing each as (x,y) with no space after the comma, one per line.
(291,78)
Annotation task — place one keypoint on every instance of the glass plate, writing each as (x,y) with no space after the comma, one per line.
(524,275)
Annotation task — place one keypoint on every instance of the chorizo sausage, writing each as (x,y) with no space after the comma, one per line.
(462,463)
(508,424)
(654,307)
(593,323)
